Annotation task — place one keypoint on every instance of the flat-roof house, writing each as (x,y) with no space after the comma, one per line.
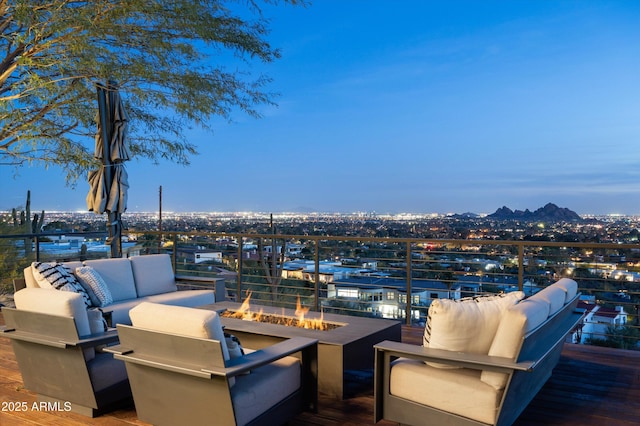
(596,321)
(387,297)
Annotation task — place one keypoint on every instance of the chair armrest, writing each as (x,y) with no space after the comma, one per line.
(97,339)
(236,366)
(267,355)
(193,278)
(92,340)
(459,359)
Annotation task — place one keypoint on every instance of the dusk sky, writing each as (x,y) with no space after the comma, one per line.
(414,106)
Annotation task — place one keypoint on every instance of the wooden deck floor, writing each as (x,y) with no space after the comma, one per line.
(590,386)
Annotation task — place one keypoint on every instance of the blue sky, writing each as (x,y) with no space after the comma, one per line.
(415,106)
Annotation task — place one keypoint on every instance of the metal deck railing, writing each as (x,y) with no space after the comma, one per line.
(393,278)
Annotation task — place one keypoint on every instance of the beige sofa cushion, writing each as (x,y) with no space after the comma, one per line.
(467,325)
(457,391)
(29,279)
(118,276)
(569,286)
(60,303)
(514,324)
(190,298)
(200,323)
(191,322)
(255,393)
(120,311)
(553,295)
(153,274)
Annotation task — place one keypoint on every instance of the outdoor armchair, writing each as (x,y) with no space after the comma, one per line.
(59,353)
(182,372)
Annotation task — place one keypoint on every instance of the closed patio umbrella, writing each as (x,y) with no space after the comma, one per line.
(109,183)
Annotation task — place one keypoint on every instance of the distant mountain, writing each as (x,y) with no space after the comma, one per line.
(548,213)
(467,215)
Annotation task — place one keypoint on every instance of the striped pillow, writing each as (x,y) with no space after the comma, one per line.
(93,282)
(57,276)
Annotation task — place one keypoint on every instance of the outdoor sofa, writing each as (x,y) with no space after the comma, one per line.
(129,281)
(59,327)
(482,361)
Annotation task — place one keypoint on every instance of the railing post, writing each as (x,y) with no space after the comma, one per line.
(37,248)
(174,254)
(239,274)
(521,267)
(409,274)
(316,287)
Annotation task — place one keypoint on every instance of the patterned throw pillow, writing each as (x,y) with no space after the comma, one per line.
(98,291)
(57,276)
(233,345)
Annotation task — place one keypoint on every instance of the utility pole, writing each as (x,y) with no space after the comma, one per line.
(160,218)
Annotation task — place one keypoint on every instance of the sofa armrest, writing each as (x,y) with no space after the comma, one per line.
(458,359)
(217,284)
(19,284)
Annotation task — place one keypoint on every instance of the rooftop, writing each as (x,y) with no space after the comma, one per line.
(590,386)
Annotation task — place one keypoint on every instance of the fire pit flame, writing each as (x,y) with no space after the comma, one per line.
(244,312)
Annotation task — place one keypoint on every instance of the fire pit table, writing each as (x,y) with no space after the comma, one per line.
(346,346)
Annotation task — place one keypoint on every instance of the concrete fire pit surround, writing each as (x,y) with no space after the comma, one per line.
(348,347)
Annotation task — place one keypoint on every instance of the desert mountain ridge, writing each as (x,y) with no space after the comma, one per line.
(549,213)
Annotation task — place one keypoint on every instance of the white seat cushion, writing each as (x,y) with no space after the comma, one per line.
(457,391)
(466,325)
(264,387)
(120,311)
(153,274)
(191,298)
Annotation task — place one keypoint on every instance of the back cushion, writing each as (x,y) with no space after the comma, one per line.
(515,323)
(553,295)
(118,276)
(466,325)
(72,265)
(29,279)
(153,274)
(61,303)
(569,286)
(191,322)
